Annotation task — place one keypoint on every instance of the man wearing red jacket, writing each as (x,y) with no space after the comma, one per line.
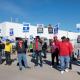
(55,51)
(65,50)
(71,51)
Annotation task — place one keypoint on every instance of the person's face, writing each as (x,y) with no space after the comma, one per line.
(36,38)
(7,42)
(64,39)
(55,38)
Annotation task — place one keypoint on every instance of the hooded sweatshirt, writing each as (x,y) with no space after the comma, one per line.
(64,48)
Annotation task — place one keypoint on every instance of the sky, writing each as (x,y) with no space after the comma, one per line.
(64,12)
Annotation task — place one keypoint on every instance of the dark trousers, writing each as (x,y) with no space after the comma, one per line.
(31,50)
(53,55)
(44,52)
(8,57)
(38,57)
(0,57)
(70,64)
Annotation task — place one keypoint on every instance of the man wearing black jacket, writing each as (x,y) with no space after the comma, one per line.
(21,51)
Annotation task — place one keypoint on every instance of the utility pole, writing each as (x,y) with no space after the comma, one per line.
(67,34)
(11,19)
(16,20)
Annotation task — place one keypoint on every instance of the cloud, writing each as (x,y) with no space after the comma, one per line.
(12,8)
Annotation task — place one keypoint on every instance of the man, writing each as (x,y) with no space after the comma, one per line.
(71,51)
(55,51)
(64,54)
(44,50)
(8,51)
(0,52)
(21,51)
(38,48)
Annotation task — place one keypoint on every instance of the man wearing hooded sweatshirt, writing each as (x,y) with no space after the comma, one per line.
(64,54)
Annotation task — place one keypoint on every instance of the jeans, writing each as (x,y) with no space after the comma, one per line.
(38,57)
(22,56)
(64,62)
(33,55)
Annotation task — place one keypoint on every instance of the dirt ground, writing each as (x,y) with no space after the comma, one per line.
(46,72)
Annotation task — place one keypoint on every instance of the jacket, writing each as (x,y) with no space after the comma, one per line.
(20,47)
(8,47)
(39,46)
(64,48)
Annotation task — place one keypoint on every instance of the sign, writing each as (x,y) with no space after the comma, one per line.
(26,27)
(50,30)
(56,29)
(11,32)
(39,28)
(31,37)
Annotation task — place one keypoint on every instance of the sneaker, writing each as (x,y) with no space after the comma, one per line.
(62,72)
(6,64)
(41,65)
(36,65)
(28,67)
(53,66)
(20,69)
(67,70)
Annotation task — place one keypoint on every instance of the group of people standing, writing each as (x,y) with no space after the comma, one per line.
(61,49)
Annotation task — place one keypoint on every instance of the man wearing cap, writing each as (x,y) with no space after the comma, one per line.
(64,48)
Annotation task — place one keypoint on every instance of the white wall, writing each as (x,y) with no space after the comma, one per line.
(3,29)
(18,31)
